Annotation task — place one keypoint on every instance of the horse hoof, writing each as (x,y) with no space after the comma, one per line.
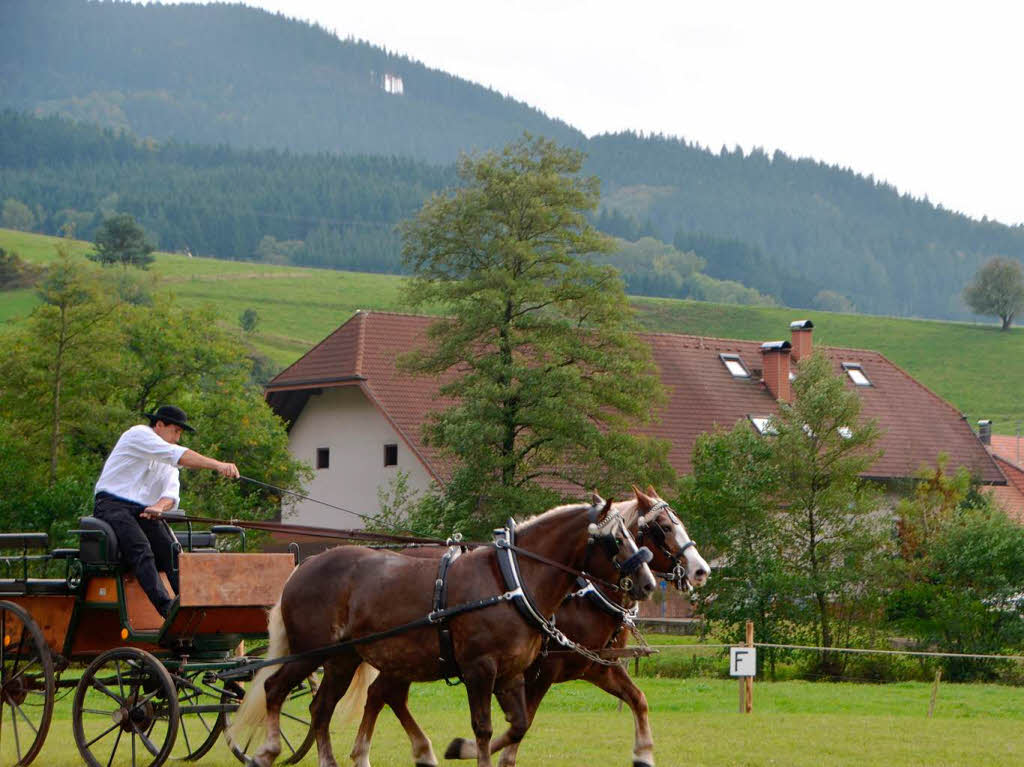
(425,764)
(454,750)
(642,764)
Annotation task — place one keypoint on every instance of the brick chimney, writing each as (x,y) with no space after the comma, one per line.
(775,356)
(985,431)
(801,331)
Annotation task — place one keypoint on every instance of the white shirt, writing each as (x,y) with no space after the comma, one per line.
(142,467)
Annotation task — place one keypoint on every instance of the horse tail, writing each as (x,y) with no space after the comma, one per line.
(350,707)
(253,710)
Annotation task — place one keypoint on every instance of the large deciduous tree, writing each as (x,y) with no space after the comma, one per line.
(120,240)
(834,540)
(549,382)
(997,290)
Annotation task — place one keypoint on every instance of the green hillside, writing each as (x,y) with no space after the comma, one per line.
(221,75)
(974,366)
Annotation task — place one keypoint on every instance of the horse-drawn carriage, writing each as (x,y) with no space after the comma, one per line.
(156,688)
(145,689)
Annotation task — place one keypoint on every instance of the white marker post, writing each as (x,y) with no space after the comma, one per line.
(743,664)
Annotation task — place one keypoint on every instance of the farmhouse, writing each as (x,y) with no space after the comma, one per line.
(357,420)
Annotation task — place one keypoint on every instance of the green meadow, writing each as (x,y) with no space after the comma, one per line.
(696,724)
(974,366)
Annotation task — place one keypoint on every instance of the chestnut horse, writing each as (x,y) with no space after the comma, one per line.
(352,592)
(590,621)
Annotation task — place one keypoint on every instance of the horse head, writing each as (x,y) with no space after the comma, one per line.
(675,556)
(607,531)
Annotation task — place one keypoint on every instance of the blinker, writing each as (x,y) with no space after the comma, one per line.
(638,560)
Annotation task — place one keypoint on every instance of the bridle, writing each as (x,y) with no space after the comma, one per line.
(648,528)
(604,535)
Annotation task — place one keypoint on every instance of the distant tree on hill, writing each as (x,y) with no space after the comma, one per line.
(997,290)
(17,215)
(120,240)
(15,273)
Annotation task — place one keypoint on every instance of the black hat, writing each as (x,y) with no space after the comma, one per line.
(169,414)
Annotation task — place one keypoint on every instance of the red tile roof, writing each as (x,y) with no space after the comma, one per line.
(1009,448)
(916,424)
(1011,497)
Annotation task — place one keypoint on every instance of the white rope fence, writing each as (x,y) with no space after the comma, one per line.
(855,650)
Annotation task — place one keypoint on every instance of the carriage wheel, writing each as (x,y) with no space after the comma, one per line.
(26,687)
(201,714)
(125,710)
(296,731)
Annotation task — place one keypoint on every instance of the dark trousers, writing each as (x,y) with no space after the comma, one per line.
(147,545)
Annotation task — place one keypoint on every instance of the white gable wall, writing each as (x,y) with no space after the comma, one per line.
(355,432)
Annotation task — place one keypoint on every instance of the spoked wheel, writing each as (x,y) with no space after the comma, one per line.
(26,687)
(201,713)
(296,734)
(125,710)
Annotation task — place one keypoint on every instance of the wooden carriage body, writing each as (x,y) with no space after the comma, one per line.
(68,608)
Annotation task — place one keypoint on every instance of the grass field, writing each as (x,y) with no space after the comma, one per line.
(974,366)
(695,724)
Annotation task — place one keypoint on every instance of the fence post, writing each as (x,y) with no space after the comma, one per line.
(748,681)
(935,693)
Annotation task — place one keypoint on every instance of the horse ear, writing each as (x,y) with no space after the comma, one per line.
(652,492)
(642,499)
(595,500)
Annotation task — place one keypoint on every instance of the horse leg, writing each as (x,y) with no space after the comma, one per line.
(396,694)
(338,672)
(513,702)
(479,679)
(615,681)
(277,687)
(460,748)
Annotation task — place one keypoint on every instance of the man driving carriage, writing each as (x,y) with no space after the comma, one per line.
(139,482)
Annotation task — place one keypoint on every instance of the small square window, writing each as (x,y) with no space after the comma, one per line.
(735,365)
(856,373)
(323,457)
(763,425)
(391,455)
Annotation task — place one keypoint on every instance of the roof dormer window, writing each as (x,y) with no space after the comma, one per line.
(763,425)
(856,373)
(735,365)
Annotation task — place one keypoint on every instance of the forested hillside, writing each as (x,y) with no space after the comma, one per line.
(339,212)
(222,73)
(808,234)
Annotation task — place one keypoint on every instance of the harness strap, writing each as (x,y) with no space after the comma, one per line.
(244,670)
(596,597)
(449,666)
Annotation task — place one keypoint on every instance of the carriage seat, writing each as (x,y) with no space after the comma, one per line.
(203,540)
(99,543)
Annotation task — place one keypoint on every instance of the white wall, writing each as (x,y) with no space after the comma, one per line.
(355,431)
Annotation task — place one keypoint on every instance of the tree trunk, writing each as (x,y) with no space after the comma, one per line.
(57,381)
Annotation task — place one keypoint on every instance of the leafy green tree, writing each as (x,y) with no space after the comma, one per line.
(833,541)
(997,290)
(17,215)
(963,592)
(62,360)
(248,320)
(87,365)
(728,503)
(15,273)
(120,240)
(546,381)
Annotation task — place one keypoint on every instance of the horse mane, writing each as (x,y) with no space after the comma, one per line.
(630,511)
(564,509)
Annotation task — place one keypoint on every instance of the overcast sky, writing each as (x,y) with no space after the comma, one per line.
(924,95)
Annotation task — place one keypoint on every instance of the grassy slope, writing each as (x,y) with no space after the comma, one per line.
(695,724)
(974,366)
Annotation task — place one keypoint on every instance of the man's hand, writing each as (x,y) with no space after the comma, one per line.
(151,512)
(228,470)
